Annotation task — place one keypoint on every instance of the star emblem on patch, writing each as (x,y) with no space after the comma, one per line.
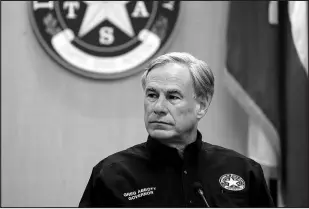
(232,182)
(104,39)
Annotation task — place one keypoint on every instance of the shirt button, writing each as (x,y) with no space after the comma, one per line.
(185,172)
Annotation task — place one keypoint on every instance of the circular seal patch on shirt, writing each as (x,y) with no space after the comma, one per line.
(103,39)
(232,182)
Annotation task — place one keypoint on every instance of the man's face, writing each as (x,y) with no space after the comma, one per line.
(170,109)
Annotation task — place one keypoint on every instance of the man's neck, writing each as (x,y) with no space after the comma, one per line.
(181,143)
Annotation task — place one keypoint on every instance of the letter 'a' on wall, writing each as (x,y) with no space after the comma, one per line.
(104,39)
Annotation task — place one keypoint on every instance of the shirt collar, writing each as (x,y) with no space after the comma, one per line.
(169,155)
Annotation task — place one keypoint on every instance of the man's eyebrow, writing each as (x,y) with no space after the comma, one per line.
(168,91)
(150,89)
(174,91)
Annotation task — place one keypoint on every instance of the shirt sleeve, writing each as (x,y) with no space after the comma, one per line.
(97,194)
(259,193)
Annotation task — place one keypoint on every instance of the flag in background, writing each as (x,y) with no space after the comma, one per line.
(295,175)
(252,70)
(267,73)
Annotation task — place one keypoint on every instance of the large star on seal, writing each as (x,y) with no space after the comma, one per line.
(232,182)
(114,11)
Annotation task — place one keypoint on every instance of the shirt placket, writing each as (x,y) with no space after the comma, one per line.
(186,184)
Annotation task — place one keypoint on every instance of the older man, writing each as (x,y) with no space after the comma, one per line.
(174,167)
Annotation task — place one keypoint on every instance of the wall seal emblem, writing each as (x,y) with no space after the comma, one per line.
(104,39)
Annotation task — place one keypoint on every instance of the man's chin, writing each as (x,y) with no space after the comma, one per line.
(161,134)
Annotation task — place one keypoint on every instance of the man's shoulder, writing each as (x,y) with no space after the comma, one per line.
(227,155)
(131,154)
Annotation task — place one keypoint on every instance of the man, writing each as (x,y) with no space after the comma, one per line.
(174,167)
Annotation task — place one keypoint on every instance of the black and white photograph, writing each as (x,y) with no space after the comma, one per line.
(151,104)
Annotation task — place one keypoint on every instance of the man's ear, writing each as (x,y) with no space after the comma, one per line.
(202,106)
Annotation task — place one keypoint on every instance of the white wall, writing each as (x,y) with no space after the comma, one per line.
(56,126)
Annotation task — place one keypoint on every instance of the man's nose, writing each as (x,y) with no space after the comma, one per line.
(160,106)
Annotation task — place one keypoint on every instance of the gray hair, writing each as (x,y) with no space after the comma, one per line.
(201,74)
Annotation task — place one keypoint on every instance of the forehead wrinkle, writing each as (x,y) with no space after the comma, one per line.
(172,78)
(162,79)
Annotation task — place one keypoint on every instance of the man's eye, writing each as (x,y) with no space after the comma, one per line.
(151,95)
(172,97)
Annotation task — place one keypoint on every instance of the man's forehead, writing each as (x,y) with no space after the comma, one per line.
(165,79)
(166,83)
(169,73)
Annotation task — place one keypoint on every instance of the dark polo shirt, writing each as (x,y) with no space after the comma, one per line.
(154,175)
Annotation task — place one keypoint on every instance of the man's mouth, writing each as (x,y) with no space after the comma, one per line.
(160,122)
